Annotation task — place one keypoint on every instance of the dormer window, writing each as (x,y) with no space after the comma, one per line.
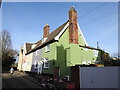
(44,39)
(33,45)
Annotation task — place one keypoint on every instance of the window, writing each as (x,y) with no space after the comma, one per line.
(95,52)
(89,62)
(37,53)
(22,51)
(67,77)
(44,39)
(84,62)
(46,63)
(85,49)
(33,45)
(35,64)
(47,48)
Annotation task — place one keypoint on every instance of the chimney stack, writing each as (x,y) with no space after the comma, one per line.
(73,28)
(46,30)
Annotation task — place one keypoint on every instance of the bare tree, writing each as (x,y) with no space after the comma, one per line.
(8,54)
(6,41)
(116,55)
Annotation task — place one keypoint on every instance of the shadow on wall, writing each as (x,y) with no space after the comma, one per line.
(33,69)
(99,59)
(62,61)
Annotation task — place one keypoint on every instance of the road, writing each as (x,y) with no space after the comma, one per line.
(17,81)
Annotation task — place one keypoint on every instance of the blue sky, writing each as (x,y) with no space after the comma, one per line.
(98,21)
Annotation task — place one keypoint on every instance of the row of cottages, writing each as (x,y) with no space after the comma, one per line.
(59,50)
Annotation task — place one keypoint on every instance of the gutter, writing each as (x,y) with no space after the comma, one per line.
(43,45)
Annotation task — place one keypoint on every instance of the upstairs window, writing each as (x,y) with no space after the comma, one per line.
(46,63)
(37,53)
(84,62)
(95,52)
(47,48)
(44,39)
(34,45)
(86,49)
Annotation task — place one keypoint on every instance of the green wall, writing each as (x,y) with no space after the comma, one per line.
(65,55)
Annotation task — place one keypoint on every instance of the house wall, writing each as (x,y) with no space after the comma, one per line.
(28,62)
(80,39)
(71,54)
(65,55)
(24,59)
(37,55)
(20,61)
(62,55)
(63,45)
(80,55)
(57,55)
(52,57)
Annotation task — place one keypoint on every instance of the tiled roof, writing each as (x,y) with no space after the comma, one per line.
(89,47)
(49,39)
(38,42)
(28,46)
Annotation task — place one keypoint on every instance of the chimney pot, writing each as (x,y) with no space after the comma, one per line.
(46,30)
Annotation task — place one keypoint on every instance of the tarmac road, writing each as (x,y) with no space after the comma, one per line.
(16,81)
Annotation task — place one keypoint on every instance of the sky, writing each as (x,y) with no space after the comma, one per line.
(98,21)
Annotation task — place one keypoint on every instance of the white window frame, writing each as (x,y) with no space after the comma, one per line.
(35,64)
(46,61)
(44,39)
(86,49)
(37,53)
(89,62)
(47,48)
(95,53)
(68,77)
(84,62)
(34,45)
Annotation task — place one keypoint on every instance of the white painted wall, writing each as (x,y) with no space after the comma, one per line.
(100,77)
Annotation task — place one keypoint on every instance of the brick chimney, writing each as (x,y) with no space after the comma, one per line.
(73,28)
(46,30)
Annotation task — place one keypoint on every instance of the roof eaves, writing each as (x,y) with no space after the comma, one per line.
(90,47)
(49,39)
(40,46)
(58,36)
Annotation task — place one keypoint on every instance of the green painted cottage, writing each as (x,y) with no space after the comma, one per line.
(63,48)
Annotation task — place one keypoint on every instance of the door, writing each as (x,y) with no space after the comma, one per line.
(56,72)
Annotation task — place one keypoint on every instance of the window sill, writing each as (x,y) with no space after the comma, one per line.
(46,67)
(47,51)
